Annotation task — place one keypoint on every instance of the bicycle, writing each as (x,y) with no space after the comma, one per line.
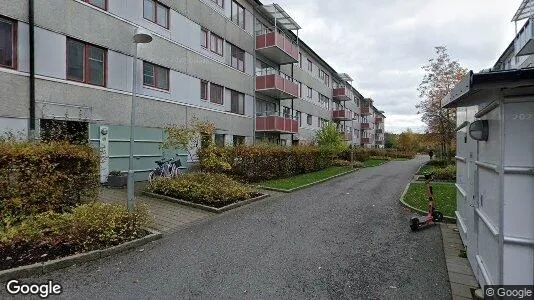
(166,168)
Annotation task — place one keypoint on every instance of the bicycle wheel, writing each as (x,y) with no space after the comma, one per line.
(151,176)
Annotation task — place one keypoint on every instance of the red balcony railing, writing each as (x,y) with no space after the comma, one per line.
(276,124)
(366,140)
(341,114)
(277,47)
(365,111)
(379,120)
(365,126)
(277,87)
(342,94)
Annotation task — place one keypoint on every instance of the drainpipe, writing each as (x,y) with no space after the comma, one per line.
(255,7)
(32,68)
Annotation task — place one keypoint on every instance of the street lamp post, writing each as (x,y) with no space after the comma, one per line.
(138,38)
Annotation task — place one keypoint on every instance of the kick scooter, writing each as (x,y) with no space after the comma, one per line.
(433,215)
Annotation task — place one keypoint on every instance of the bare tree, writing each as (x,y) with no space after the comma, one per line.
(442,74)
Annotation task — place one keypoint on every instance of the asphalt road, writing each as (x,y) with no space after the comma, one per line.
(345,239)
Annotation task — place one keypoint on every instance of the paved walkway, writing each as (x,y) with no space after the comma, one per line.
(348,238)
(167,216)
(461,276)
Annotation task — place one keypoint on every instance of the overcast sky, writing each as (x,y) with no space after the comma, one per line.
(382,44)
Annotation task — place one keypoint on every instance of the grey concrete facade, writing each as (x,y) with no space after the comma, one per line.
(177,49)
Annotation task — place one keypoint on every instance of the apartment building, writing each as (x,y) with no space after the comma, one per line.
(495,161)
(236,63)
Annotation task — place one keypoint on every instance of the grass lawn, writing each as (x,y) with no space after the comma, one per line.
(444,197)
(304,179)
(373,162)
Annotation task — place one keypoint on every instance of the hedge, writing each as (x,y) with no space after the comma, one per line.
(39,177)
(87,227)
(363,154)
(216,190)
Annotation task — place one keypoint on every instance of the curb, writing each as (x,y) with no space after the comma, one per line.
(60,263)
(205,207)
(306,185)
(446,219)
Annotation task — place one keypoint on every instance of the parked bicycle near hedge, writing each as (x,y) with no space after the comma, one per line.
(166,168)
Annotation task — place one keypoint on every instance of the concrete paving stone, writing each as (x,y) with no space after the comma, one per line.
(463,279)
(460,269)
(461,290)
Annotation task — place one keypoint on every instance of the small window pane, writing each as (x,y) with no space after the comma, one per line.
(204,38)
(149,10)
(163,16)
(75,51)
(148,75)
(6,43)
(162,75)
(96,66)
(204,90)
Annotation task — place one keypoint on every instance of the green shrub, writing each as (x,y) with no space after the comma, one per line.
(211,189)
(38,177)
(341,163)
(263,161)
(447,173)
(88,227)
(440,162)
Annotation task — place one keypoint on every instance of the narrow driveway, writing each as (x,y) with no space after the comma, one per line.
(345,239)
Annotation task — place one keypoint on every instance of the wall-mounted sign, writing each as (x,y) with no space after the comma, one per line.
(479,130)
(104,153)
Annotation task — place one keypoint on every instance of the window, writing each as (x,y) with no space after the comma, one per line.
(309,119)
(310,66)
(216,44)
(204,38)
(300,60)
(238,140)
(216,94)
(219,2)
(98,3)
(8,43)
(219,140)
(238,14)
(310,92)
(238,58)
(287,112)
(155,76)
(156,12)
(299,84)
(324,101)
(299,118)
(203,90)
(86,63)
(238,103)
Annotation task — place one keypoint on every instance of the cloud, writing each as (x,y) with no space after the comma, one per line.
(383,44)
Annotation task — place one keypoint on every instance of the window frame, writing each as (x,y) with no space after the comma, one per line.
(211,94)
(309,120)
(310,66)
(242,52)
(217,2)
(85,66)
(155,86)
(217,37)
(239,6)
(204,85)
(155,21)
(102,8)
(14,43)
(237,96)
(206,37)
(300,59)
(309,92)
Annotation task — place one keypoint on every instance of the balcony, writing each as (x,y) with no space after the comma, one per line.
(346,136)
(342,94)
(379,120)
(277,47)
(276,124)
(366,126)
(341,115)
(277,87)
(367,140)
(365,111)
(380,130)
